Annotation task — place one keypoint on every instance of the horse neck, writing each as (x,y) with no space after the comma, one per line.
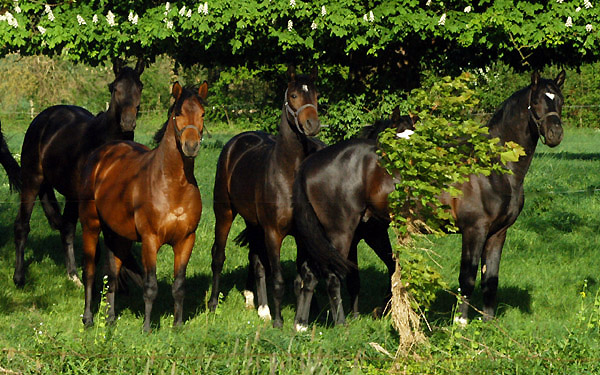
(290,147)
(512,123)
(173,165)
(111,121)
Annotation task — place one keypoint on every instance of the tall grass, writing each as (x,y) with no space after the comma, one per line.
(548,315)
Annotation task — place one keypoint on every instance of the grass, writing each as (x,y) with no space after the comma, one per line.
(548,314)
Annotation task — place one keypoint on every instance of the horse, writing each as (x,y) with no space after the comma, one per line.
(340,193)
(133,194)
(56,145)
(254,178)
(10,165)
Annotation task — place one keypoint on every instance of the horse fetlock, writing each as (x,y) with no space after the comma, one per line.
(76,280)
(300,327)
(264,312)
(249,299)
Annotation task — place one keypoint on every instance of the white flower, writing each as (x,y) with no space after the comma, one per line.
(203,9)
(48,11)
(587,4)
(290,25)
(110,18)
(167,6)
(17,8)
(589,27)
(371,16)
(169,24)
(133,17)
(12,21)
(569,22)
(578,9)
(442,20)
(95,18)
(41,29)
(189,13)
(428,3)
(559,1)
(365,17)
(293,3)
(405,134)
(314,25)
(468,9)
(80,20)
(323,10)
(182,11)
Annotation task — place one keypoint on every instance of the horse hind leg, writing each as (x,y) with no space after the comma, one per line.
(335,299)
(378,239)
(224,216)
(473,240)
(353,278)
(118,249)
(304,287)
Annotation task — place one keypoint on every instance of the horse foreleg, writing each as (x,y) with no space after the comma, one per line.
(90,225)
(335,299)
(490,266)
(353,277)
(21,229)
(183,251)
(304,286)
(378,239)
(149,251)
(257,268)
(473,239)
(224,218)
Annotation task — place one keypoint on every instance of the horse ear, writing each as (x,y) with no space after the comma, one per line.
(291,73)
(314,73)
(176,91)
(117,66)
(203,90)
(140,65)
(535,78)
(560,78)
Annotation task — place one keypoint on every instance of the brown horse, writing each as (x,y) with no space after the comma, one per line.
(56,145)
(340,196)
(134,194)
(254,178)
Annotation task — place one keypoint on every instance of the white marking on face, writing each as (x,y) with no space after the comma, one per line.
(550,95)
(305,88)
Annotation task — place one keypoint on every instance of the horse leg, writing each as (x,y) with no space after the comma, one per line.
(473,240)
(29,191)
(378,239)
(224,216)
(67,233)
(250,280)
(257,268)
(335,299)
(490,266)
(182,251)
(353,278)
(118,249)
(90,225)
(304,286)
(273,242)
(149,251)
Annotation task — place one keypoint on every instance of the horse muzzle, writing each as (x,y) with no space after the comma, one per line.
(190,148)
(128,123)
(311,126)
(554,134)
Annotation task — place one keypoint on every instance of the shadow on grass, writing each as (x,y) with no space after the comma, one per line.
(569,155)
(508,297)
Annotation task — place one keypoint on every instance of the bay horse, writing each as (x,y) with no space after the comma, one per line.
(56,145)
(10,165)
(134,194)
(340,193)
(254,178)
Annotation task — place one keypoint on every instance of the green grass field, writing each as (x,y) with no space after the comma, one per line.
(548,315)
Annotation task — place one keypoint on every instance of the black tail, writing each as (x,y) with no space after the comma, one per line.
(310,232)
(12,168)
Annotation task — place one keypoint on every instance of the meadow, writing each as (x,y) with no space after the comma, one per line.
(548,318)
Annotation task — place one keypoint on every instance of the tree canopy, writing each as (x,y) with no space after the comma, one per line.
(389,39)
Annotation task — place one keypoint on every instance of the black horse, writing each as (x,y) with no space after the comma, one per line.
(254,178)
(340,193)
(12,168)
(56,145)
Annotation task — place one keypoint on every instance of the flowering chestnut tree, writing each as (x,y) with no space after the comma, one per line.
(364,35)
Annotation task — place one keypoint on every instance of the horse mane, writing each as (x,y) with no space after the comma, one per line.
(187,92)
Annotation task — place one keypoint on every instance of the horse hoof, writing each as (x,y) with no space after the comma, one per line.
(300,327)
(249,299)
(264,312)
(76,280)
(88,321)
(277,323)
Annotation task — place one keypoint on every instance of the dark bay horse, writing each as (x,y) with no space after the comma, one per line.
(340,194)
(134,194)
(56,145)
(254,178)
(10,165)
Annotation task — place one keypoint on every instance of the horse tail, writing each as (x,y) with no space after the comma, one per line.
(250,237)
(13,169)
(312,237)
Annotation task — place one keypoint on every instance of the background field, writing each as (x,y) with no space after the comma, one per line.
(548,314)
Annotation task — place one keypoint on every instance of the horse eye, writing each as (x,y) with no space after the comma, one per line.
(294,96)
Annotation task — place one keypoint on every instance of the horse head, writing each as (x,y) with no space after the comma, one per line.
(126,92)
(188,118)
(545,107)
(301,102)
